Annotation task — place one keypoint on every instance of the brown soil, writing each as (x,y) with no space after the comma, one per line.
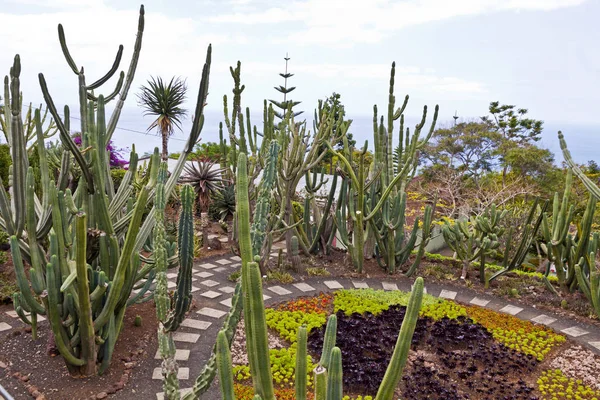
(25,366)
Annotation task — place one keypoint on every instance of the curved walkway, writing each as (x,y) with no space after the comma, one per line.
(213,291)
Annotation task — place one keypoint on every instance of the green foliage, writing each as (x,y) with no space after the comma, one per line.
(286,323)
(374,301)
(5,163)
(317,271)
(3,257)
(222,203)
(553,384)
(443,309)
(280,276)
(3,238)
(117,175)
(165,102)
(137,321)
(205,180)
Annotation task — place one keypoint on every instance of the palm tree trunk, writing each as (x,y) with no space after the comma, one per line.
(165,146)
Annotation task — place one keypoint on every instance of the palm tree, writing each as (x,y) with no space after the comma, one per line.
(164,102)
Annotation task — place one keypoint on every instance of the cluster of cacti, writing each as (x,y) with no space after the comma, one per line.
(574,255)
(83,277)
(474,238)
(512,260)
(376,198)
(29,123)
(328,374)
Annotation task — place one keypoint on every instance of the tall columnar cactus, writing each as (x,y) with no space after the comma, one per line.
(96,283)
(300,373)
(380,201)
(581,249)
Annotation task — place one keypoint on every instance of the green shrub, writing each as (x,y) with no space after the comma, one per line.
(374,301)
(117,175)
(5,163)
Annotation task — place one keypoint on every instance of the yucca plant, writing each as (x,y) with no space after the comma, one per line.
(164,101)
(222,203)
(205,179)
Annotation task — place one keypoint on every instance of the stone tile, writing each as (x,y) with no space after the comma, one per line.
(279,290)
(194,289)
(595,344)
(182,373)
(171,275)
(220,269)
(235,258)
(211,294)
(389,286)
(479,302)
(448,294)
(194,279)
(180,355)
(543,319)
(227,289)
(161,395)
(203,274)
(360,285)
(575,331)
(212,236)
(186,337)
(4,326)
(171,285)
(41,318)
(211,312)
(14,314)
(196,324)
(510,309)
(333,285)
(224,261)
(304,287)
(208,266)
(235,265)
(209,283)
(274,254)
(226,302)
(266,297)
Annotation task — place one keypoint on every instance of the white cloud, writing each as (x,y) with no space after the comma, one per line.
(406,77)
(343,22)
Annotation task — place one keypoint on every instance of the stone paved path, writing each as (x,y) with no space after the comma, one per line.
(213,291)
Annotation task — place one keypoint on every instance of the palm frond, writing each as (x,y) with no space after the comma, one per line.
(165,102)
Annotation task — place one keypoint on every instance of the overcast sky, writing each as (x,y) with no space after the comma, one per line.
(538,54)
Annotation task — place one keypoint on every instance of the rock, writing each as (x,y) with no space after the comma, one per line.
(215,244)
(129,365)
(24,378)
(3,365)
(28,329)
(102,395)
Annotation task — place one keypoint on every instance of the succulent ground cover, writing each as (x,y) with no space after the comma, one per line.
(458,352)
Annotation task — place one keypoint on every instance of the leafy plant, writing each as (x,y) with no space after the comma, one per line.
(164,101)
(222,203)
(205,180)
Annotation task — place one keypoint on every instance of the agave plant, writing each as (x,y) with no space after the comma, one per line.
(205,179)
(222,203)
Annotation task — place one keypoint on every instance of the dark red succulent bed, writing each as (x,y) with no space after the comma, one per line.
(449,359)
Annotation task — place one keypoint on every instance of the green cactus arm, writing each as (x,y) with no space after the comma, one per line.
(122,271)
(329,341)
(185,244)
(335,376)
(86,328)
(22,281)
(396,366)
(259,333)
(114,118)
(224,366)
(300,373)
(60,336)
(320,381)
(101,81)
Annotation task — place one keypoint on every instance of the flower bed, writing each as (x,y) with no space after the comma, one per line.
(458,352)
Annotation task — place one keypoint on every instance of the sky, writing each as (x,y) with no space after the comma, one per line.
(460,54)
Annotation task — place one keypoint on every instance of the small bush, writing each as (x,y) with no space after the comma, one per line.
(117,175)
(5,163)
(317,272)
